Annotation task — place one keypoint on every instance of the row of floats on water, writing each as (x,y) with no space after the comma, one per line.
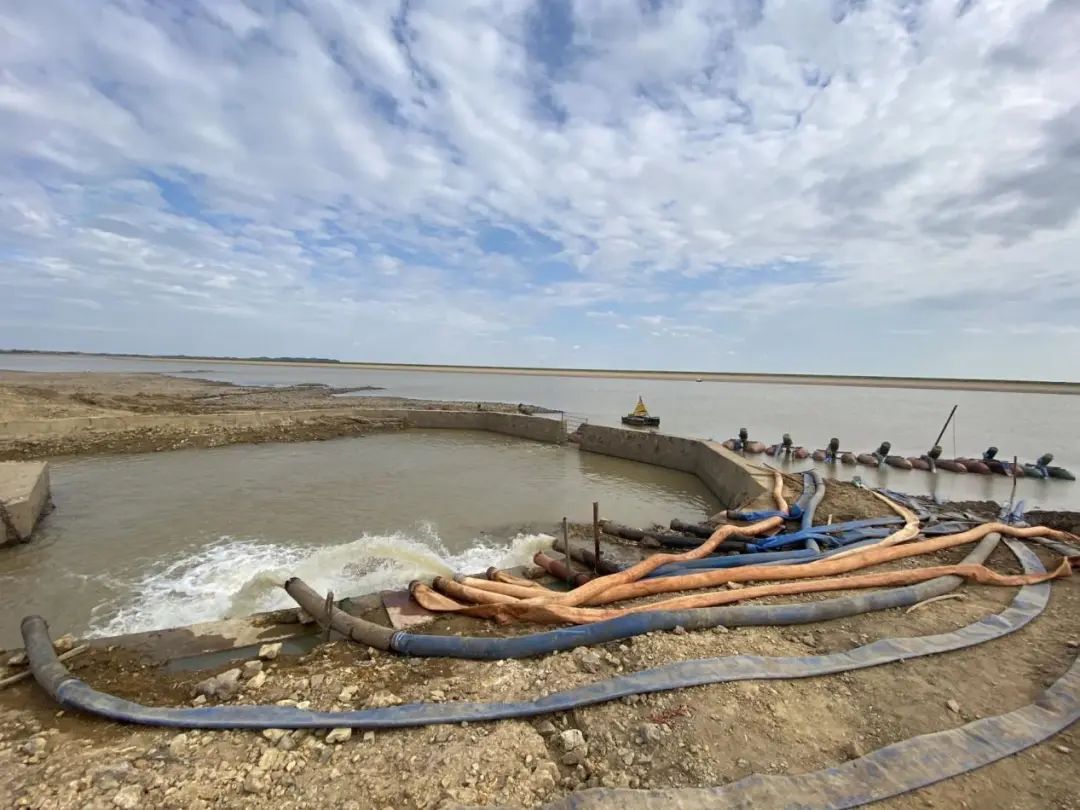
(932,461)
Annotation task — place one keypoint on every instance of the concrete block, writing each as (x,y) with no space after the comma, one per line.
(24,494)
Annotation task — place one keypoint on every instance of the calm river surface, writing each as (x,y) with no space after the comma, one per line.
(165,539)
(1026,425)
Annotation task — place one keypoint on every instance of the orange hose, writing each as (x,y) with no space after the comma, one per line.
(504,588)
(909,531)
(432,600)
(778,492)
(467,594)
(864,558)
(583,594)
(554,614)
(498,575)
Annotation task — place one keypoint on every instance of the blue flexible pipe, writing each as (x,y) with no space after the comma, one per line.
(734,561)
(815,484)
(802,510)
(796,556)
(809,488)
(780,540)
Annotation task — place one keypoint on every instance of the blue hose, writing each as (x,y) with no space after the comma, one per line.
(733,561)
(796,556)
(1014,515)
(856,535)
(809,489)
(803,509)
(816,532)
(72,693)
(813,484)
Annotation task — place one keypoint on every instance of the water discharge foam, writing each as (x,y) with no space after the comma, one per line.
(233,578)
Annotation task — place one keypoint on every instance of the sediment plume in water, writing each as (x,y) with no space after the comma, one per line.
(232,578)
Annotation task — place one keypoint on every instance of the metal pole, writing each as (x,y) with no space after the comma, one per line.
(937,441)
(566,545)
(1012,495)
(329,609)
(596,535)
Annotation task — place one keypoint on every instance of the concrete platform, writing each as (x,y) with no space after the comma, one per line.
(24,494)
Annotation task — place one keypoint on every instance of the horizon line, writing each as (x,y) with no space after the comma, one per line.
(863,380)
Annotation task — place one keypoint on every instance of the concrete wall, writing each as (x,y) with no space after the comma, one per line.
(24,493)
(734,480)
(727,475)
(512,424)
(537,428)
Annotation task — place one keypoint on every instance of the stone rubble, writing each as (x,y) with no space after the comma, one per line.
(268,652)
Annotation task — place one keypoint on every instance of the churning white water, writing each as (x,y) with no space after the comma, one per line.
(239,577)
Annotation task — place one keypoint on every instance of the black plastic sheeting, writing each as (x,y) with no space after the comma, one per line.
(73,693)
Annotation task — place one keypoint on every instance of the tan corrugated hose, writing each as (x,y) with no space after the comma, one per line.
(863,558)
(581,595)
(778,492)
(909,531)
(556,607)
(557,614)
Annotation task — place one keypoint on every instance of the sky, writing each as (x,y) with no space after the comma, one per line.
(843,186)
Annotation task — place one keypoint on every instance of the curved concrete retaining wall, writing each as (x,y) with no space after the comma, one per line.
(537,428)
(728,476)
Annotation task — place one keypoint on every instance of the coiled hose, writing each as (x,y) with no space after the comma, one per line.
(73,693)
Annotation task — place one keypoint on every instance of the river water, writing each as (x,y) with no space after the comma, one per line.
(158,540)
(1025,425)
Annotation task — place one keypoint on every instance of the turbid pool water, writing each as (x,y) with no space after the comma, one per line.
(146,541)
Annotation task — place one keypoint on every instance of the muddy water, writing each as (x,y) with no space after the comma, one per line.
(1026,425)
(167,539)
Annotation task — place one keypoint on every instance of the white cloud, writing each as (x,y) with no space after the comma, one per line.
(698,168)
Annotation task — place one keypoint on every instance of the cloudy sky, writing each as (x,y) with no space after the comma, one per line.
(848,186)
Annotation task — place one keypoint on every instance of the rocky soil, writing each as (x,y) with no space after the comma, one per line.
(40,396)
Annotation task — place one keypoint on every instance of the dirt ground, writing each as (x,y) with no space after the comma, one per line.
(693,737)
(38,396)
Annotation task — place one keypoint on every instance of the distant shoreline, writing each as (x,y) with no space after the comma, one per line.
(938,383)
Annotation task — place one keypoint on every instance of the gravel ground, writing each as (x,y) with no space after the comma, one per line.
(701,736)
